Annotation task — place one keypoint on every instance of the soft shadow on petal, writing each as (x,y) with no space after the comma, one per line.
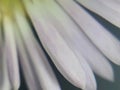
(62,56)
(113,4)
(81,43)
(26,65)
(4,79)
(11,53)
(104,40)
(103,10)
(38,60)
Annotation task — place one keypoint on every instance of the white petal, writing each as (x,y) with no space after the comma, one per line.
(26,65)
(103,39)
(11,53)
(1,39)
(82,45)
(1,53)
(38,60)
(61,54)
(4,80)
(69,32)
(71,37)
(113,4)
(103,10)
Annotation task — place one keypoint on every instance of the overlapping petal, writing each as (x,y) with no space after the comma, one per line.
(77,44)
(11,53)
(109,12)
(104,40)
(39,62)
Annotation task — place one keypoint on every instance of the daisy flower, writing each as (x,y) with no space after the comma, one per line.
(77,44)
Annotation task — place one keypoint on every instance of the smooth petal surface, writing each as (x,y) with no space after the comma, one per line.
(11,54)
(1,39)
(81,43)
(103,39)
(1,54)
(68,30)
(103,10)
(65,30)
(113,4)
(26,65)
(64,59)
(5,85)
(4,80)
(40,64)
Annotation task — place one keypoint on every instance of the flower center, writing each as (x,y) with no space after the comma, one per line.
(7,7)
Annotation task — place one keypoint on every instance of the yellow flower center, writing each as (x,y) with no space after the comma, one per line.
(7,7)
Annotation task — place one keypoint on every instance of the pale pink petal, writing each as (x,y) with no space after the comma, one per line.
(11,53)
(26,66)
(40,64)
(103,39)
(61,54)
(113,4)
(81,43)
(4,80)
(103,10)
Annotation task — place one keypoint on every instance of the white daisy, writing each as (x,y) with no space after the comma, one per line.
(77,44)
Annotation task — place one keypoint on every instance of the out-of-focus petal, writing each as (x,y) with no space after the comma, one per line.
(1,39)
(1,54)
(4,80)
(113,4)
(5,83)
(26,66)
(11,53)
(40,64)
